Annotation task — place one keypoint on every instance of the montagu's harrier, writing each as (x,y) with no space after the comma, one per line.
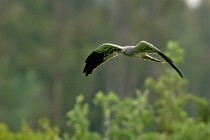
(107,51)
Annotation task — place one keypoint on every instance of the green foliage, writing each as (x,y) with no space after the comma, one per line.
(139,118)
(79,121)
(46,132)
(122,118)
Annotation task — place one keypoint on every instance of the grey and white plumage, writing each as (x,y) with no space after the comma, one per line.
(107,51)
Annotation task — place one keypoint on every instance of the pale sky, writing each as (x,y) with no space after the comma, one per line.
(193,3)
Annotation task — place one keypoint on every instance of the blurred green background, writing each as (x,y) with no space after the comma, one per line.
(44,43)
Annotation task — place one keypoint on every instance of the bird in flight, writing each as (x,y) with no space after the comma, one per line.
(107,51)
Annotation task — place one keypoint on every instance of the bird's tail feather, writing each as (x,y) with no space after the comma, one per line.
(170,62)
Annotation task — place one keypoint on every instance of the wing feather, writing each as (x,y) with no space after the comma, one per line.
(169,61)
(100,55)
(144,46)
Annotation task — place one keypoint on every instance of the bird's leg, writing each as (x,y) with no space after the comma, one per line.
(148,57)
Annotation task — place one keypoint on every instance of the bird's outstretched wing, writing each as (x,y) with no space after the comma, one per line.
(170,62)
(100,55)
(146,47)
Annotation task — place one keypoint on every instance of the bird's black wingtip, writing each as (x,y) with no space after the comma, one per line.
(92,61)
(85,71)
(181,75)
(86,74)
(170,62)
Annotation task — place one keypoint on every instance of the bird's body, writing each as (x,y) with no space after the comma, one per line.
(107,51)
